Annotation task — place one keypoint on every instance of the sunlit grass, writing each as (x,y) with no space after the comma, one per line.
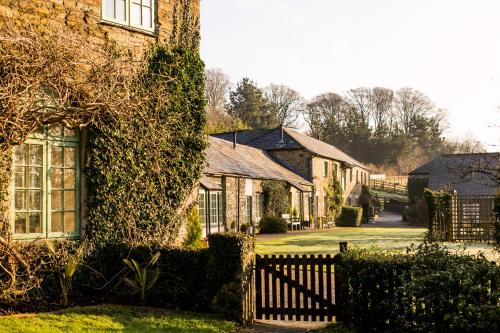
(112,318)
(373,238)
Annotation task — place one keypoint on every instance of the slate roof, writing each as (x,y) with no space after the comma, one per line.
(452,172)
(271,139)
(246,161)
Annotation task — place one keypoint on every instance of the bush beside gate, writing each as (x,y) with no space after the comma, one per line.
(429,290)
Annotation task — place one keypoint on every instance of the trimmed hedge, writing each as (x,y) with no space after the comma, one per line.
(273,225)
(190,279)
(350,217)
(430,290)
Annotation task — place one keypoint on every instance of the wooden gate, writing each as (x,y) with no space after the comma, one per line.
(295,288)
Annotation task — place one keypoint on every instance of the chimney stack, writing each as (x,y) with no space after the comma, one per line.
(234,140)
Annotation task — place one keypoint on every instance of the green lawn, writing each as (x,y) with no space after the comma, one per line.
(113,318)
(378,238)
(327,241)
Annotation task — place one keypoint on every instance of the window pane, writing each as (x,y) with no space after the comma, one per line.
(146,17)
(20,223)
(20,177)
(57,156)
(56,222)
(36,155)
(69,222)
(35,200)
(56,200)
(69,200)
(146,3)
(109,8)
(69,179)
(55,130)
(135,14)
(56,178)
(20,153)
(20,200)
(36,177)
(121,9)
(35,223)
(69,157)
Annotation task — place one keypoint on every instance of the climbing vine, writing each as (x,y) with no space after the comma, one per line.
(140,170)
(439,212)
(335,198)
(276,196)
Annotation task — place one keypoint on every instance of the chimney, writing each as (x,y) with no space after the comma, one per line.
(282,141)
(234,140)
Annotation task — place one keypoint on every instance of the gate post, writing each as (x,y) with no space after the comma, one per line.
(341,284)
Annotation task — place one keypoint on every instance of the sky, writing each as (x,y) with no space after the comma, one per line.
(447,49)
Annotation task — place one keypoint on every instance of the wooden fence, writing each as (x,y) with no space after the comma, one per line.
(389,187)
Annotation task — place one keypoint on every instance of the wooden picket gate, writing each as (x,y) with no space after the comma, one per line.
(297,288)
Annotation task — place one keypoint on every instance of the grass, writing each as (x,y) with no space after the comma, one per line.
(113,318)
(388,195)
(327,241)
(373,238)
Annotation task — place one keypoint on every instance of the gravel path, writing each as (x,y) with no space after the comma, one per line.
(266,326)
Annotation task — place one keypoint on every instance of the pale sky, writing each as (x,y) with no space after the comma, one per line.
(448,49)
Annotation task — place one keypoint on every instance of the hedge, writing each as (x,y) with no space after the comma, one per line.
(273,225)
(350,217)
(189,279)
(429,290)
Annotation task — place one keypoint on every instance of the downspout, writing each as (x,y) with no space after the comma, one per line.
(238,202)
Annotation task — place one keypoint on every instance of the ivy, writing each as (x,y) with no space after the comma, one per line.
(439,215)
(335,198)
(140,170)
(276,197)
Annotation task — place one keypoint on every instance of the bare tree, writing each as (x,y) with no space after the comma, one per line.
(383,101)
(325,110)
(465,145)
(217,85)
(285,103)
(411,104)
(361,100)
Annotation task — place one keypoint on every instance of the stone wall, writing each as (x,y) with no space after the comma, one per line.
(298,158)
(84,16)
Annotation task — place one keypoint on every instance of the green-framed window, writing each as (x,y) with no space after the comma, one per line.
(46,198)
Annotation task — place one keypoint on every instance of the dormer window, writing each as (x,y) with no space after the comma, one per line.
(139,14)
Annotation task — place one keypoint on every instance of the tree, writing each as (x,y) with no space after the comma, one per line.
(411,104)
(285,103)
(217,85)
(361,99)
(325,115)
(247,103)
(382,110)
(464,145)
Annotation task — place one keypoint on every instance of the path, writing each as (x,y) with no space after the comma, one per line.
(389,219)
(269,326)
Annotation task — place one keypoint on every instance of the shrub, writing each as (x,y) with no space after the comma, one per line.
(194,231)
(350,217)
(429,290)
(273,225)
(334,196)
(244,228)
(275,197)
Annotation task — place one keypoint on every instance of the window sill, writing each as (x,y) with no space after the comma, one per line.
(129,28)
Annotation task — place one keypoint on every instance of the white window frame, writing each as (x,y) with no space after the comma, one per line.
(128,21)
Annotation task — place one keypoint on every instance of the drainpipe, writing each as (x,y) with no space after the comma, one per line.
(234,143)
(238,201)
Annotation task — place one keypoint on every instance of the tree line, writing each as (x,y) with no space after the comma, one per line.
(394,130)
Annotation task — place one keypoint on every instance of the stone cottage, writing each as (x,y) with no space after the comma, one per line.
(47,192)
(311,159)
(231,193)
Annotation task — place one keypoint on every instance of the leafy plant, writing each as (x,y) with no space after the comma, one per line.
(194,231)
(335,198)
(244,228)
(144,278)
(69,265)
(294,212)
(276,194)
(350,217)
(273,225)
